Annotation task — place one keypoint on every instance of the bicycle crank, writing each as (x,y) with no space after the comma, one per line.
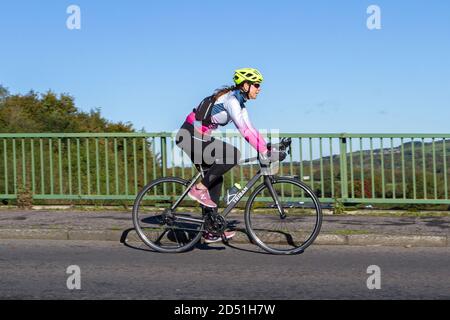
(215,224)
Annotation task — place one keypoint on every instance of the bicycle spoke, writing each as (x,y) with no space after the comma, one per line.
(161,236)
(175,235)
(160,216)
(293,233)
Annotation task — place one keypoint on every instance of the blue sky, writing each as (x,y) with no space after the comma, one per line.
(151,62)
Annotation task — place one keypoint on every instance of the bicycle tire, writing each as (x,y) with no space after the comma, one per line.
(256,238)
(138,218)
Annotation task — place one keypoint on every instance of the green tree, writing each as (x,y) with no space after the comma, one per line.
(57,113)
(50,112)
(3,93)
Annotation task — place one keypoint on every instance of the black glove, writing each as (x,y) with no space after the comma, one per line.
(273,155)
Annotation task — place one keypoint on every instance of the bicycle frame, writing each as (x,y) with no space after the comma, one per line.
(236,199)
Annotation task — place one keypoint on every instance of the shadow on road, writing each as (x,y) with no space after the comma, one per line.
(258,251)
(123,240)
(201,246)
(139,245)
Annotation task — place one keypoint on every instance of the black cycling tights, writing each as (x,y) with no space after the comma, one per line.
(215,156)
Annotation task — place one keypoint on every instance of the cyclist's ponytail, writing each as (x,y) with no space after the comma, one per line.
(224,90)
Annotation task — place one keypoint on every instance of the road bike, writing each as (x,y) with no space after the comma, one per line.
(282,214)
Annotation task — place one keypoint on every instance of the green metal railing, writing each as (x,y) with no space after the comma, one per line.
(354,168)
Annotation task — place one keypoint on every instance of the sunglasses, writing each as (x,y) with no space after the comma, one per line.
(256,85)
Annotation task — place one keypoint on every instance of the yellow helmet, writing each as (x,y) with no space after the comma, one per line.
(247,74)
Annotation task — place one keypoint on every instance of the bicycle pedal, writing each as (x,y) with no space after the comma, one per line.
(224,239)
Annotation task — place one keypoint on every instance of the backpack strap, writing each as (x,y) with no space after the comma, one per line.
(204,110)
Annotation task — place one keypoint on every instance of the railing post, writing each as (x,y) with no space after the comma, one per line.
(164,161)
(164,156)
(343,167)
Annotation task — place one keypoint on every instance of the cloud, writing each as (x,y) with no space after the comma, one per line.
(324,107)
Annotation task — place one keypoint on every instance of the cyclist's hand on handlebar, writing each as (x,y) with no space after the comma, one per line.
(276,155)
(273,155)
(276,147)
(279,147)
(276,152)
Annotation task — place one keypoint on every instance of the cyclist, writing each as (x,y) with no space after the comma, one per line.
(215,156)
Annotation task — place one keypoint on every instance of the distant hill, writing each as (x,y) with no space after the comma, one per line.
(421,151)
(393,171)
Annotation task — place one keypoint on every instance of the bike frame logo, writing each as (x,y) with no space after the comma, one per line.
(239,195)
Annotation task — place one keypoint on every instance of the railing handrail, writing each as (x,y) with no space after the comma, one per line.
(226,134)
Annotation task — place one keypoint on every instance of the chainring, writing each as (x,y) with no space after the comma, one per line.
(215,224)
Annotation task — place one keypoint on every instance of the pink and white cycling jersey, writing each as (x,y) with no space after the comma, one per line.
(230,108)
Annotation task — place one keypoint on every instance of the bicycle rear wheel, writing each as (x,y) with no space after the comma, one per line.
(291,234)
(153,218)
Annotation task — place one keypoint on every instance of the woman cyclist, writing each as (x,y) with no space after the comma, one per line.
(215,156)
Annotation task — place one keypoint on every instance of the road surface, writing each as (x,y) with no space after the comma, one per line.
(109,270)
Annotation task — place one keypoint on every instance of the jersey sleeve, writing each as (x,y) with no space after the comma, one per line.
(240,118)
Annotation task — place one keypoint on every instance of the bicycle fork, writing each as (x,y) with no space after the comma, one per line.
(268,183)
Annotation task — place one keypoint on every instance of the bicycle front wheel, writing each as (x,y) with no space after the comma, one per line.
(154,220)
(293,229)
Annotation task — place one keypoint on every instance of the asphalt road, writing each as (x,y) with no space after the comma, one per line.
(38,270)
